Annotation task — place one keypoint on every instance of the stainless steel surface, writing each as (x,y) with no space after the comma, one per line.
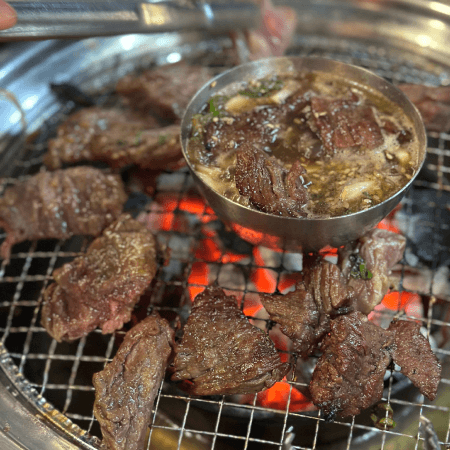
(23,412)
(89,18)
(59,373)
(431,439)
(288,233)
(419,26)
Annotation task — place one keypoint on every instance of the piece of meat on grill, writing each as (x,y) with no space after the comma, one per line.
(433,104)
(328,286)
(349,375)
(126,388)
(269,186)
(101,287)
(222,353)
(325,292)
(299,318)
(305,313)
(73,141)
(412,352)
(166,90)
(376,252)
(155,149)
(60,204)
(345,124)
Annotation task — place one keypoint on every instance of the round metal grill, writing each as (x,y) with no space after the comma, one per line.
(56,377)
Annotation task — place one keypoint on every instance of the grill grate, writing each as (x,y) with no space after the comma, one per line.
(204,252)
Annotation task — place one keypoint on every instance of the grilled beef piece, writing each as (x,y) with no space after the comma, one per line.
(345,124)
(74,138)
(262,127)
(60,204)
(100,288)
(252,127)
(378,251)
(166,90)
(349,375)
(222,353)
(412,352)
(327,291)
(116,137)
(155,149)
(126,388)
(433,104)
(328,286)
(299,317)
(269,186)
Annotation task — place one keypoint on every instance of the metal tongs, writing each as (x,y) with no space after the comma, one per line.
(45,19)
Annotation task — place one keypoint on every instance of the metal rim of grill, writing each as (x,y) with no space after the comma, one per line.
(30,360)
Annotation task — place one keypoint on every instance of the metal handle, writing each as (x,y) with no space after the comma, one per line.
(58,19)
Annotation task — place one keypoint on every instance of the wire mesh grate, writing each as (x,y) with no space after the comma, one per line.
(203,252)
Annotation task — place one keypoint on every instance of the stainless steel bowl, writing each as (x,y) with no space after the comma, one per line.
(288,233)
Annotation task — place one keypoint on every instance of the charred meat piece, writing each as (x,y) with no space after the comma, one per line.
(299,318)
(269,186)
(327,285)
(60,204)
(412,352)
(327,291)
(100,288)
(222,353)
(368,263)
(345,124)
(255,127)
(159,148)
(304,315)
(433,104)
(166,90)
(126,388)
(349,375)
(262,127)
(73,141)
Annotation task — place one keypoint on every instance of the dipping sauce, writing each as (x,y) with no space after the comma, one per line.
(304,144)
